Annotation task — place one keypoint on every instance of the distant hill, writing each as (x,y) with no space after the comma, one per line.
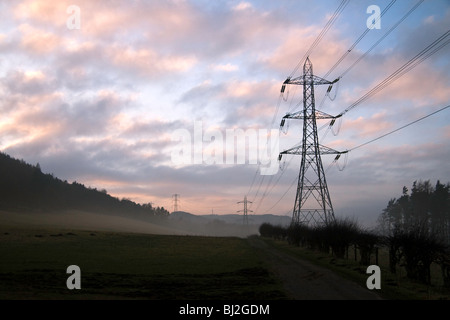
(25,187)
(252,218)
(231,218)
(187,217)
(222,225)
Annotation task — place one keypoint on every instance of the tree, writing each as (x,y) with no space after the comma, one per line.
(421,201)
(440,211)
(388,219)
(426,205)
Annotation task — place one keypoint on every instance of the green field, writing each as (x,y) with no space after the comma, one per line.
(130,266)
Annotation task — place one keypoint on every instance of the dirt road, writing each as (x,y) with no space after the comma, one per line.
(305,281)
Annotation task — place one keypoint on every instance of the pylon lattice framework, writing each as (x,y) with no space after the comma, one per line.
(312,203)
(245,211)
(175,202)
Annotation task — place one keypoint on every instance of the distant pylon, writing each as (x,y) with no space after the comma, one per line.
(312,203)
(175,202)
(245,211)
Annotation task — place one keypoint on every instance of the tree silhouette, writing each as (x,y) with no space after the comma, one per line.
(426,205)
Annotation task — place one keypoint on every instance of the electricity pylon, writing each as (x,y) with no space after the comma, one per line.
(175,202)
(245,211)
(312,202)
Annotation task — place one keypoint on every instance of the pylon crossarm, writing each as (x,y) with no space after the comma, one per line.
(328,150)
(294,150)
(322,150)
(300,116)
(323,115)
(308,80)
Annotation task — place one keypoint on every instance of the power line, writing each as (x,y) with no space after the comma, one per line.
(259,187)
(329,24)
(279,177)
(264,194)
(253,181)
(362,145)
(398,129)
(367,52)
(351,149)
(295,179)
(408,66)
(292,184)
(383,37)
(412,63)
(358,40)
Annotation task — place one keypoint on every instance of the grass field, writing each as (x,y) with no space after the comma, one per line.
(130,266)
(117,265)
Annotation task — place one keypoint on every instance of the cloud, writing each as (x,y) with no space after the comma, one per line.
(226,67)
(295,44)
(47,117)
(41,11)
(38,40)
(149,63)
(242,6)
(368,127)
(28,83)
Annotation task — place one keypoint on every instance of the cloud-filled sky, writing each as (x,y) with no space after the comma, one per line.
(102,104)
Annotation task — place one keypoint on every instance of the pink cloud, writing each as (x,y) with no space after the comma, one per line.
(296,42)
(29,114)
(149,62)
(421,86)
(413,86)
(38,40)
(42,11)
(368,127)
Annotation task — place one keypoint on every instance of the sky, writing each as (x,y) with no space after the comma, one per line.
(137,97)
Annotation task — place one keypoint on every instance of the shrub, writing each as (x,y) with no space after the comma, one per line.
(339,235)
(266,230)
(366,242)
(416,248)
(270,231)
(298,234)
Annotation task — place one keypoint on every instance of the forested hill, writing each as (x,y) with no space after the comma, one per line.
(25,187)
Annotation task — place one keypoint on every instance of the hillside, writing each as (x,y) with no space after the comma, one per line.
(25,187)
(253,219)
(222,225)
